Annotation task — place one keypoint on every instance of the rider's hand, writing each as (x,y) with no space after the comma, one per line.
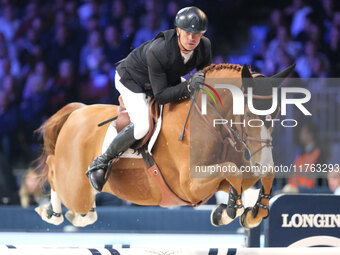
(196,81)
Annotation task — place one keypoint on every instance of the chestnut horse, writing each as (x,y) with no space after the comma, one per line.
(72,140)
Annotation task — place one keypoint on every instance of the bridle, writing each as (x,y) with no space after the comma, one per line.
(235,137)
(265,142)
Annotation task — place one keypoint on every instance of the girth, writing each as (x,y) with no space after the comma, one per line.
(168,197)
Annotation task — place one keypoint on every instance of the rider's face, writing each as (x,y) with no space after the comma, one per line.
(188,40)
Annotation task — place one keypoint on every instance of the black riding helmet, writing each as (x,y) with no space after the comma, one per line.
(192,20)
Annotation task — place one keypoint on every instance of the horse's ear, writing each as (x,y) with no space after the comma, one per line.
(282,75)
(247,78)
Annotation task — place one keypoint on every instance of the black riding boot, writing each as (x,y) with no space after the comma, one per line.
(97,170)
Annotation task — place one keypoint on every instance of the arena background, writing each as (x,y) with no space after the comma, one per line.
(56,52)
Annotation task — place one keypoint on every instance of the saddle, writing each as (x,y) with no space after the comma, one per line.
(169,198)
(124,119)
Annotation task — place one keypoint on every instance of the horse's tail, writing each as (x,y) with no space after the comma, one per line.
(50,131)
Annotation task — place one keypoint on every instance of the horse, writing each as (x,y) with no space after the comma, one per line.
(72,139)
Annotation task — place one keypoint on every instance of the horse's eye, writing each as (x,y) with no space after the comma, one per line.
(249,115)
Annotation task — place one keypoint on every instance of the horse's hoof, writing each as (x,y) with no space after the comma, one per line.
(216,215)
(79,220)
(219,215)
(226,219)
(247,220)
(43,212)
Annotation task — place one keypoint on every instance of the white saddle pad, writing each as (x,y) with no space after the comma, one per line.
(111,133)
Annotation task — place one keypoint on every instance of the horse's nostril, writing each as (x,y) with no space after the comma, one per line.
(246,154)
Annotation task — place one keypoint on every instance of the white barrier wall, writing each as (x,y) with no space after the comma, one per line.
(35,250)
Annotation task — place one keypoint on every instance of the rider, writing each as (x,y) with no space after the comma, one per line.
(157,65)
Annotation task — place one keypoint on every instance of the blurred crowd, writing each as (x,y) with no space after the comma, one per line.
(303,32)
(53,52)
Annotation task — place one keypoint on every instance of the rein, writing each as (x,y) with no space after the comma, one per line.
(260,97)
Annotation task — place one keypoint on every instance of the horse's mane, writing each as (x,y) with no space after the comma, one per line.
(214,67)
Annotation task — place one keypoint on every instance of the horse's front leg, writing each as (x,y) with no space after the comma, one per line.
(253,216)
(223,214)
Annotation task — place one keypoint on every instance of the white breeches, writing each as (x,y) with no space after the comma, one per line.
(137,106)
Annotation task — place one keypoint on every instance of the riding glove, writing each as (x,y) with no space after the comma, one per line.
(196,81)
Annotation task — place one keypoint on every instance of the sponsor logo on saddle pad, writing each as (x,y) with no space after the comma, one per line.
(310,220)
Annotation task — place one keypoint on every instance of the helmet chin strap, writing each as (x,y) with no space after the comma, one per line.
(182,48)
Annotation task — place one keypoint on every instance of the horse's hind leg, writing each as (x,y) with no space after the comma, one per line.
(52,213)
(82,220)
